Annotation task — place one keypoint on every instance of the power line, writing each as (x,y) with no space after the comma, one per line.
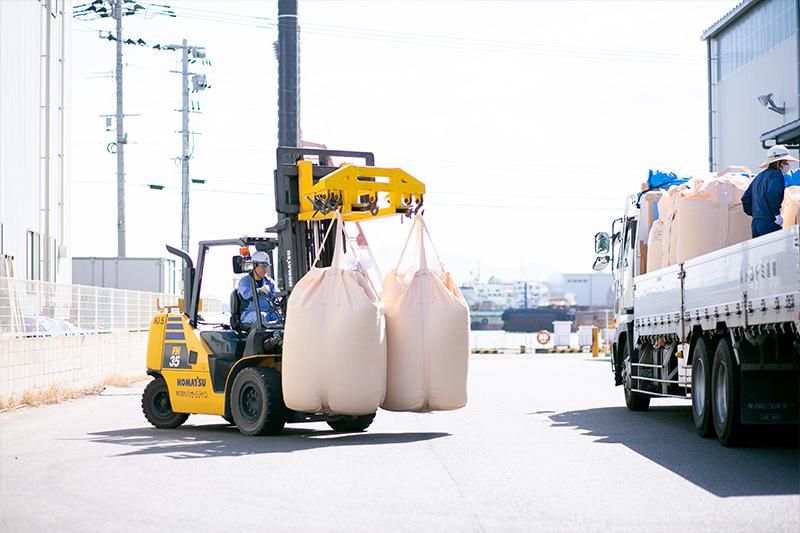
(523,207)
(423,39)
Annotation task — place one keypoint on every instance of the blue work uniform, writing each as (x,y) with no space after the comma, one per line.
(245,290)
(762,200)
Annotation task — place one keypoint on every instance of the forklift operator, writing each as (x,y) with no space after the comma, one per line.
(265,288)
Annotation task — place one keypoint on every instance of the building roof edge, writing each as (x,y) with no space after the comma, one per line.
(728,18)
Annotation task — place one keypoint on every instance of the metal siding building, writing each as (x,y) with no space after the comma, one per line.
(34,96)
(753,51)
(590,290)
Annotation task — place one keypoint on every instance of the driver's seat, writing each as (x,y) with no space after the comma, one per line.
(237,305)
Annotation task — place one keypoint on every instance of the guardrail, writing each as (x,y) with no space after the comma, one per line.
(44,309)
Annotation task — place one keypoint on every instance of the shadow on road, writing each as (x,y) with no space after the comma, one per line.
(193,442)
(768,465)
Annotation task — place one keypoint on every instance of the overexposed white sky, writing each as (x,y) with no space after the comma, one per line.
(529,122)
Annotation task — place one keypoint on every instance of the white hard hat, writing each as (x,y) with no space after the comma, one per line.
(777,153)
(261,258)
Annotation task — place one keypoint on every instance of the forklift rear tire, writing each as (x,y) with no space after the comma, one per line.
(157,408)
(257,401)
(350,424)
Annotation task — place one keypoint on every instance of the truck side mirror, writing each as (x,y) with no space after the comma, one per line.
(601,262)
(601,243)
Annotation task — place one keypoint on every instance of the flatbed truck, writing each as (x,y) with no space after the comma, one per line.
(720,329)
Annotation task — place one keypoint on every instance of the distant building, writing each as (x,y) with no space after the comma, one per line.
(34,128)
(754,81)
(583,290)
(150,274)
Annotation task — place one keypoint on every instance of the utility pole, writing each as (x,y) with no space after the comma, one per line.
(116,9)
(185,149)
(199,83)
(288,73)
(120,147)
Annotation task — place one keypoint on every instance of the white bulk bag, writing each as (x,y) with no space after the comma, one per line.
(667,214)
(791,206)
(647,212)
(710,217)
(655,246)
(334,347)
(427,331)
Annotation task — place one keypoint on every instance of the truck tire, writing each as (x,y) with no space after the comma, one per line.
(636,401)
(157,408)
(701,388)
(256,401)
(725,387)
(350,424)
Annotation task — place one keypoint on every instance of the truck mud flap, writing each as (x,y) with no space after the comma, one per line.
(770,396)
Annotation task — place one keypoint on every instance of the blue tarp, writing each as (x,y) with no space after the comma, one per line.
(663,180)
(792,177)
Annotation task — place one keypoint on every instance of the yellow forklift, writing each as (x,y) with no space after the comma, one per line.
(234,370)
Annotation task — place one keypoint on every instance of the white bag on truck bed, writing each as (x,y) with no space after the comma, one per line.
(709,216)
(655,246)
(334,347)
(666,214)
(791,206)
(427,330)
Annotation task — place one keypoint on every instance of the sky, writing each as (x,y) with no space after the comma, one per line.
(528,121)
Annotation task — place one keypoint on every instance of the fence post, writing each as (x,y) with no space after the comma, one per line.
(78,317)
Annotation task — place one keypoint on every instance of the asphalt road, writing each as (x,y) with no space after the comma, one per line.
(545,444)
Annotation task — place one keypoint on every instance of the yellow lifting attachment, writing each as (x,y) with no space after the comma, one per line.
(358,192)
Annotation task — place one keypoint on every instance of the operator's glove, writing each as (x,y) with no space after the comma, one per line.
(265,290)
(779,220)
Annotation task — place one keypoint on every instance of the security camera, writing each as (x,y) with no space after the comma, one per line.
(766,101)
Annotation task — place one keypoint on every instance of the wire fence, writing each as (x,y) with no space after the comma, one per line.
(44,309)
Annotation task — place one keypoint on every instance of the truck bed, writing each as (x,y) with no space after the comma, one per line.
(748,284)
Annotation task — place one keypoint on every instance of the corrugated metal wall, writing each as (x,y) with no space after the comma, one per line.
(30,116)
(738,119)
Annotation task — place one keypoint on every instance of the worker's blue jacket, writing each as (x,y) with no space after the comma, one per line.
(266,304)
(762,200)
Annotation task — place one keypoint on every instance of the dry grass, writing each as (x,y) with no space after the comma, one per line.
(60,393)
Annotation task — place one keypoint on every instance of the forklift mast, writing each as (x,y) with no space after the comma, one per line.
(299,242)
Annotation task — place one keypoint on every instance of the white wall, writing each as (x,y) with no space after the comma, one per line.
(34,132)
(73,362)
(739,119)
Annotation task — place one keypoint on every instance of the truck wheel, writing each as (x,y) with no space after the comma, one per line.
(701,389)
(257,401)
(725,387)
(157,408)
(636,401)
(350,424)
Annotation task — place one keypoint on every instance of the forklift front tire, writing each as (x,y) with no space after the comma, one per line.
(257,401)
(157,408)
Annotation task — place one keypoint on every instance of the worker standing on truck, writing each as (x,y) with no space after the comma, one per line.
(265,291)
(763,198)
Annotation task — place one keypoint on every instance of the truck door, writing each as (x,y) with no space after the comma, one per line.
(626,266)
